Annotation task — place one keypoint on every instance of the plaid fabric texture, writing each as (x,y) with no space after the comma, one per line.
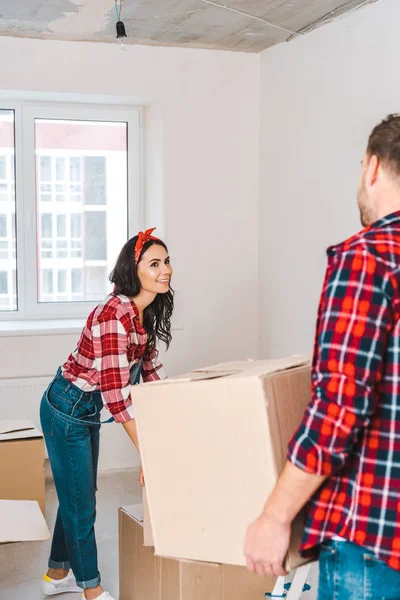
(111,342)
(351,429)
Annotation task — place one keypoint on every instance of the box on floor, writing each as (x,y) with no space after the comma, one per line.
(21,462)
(144,576)
(213,444)
(22,521)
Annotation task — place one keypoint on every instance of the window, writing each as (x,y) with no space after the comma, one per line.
(3,226)
(3,282)
(76,281)
(8,256)
(76,172)
(47,281)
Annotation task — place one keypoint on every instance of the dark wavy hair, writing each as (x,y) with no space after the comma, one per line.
(157,316)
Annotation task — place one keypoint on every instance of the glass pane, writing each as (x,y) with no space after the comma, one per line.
(95,235)
(95,179)
(76,281)
(61,226)
(75,169)
(3,226)
(3,282)
(96,279)
(82,179)
(47,281)
(45,168)
(76,226)
(47,228)
(8,260)
(3,167)
(60,169)
(62,281)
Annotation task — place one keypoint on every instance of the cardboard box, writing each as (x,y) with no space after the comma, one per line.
(213,444)
(144,576)
(21,462)
(22,521)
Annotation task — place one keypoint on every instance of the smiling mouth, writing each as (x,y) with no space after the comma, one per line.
(163,281)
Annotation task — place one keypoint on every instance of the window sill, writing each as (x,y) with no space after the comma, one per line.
(53,327)
(48,327)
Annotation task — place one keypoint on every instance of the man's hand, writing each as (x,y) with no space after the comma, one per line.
(267,539)
(141,476)
(266,545)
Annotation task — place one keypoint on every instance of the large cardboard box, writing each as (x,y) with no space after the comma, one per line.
(213,444)
(21,462)
(144,576)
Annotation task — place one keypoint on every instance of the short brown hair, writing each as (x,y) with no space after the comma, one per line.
(384,142)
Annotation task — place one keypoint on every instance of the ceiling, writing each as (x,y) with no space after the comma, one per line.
(240,25)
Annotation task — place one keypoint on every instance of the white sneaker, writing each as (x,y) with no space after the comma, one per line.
(103,596)
(52,587)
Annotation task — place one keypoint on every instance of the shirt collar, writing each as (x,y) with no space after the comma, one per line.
(386,221)
(135,309)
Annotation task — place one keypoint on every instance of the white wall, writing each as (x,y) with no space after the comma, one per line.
(320,97)
(201,122)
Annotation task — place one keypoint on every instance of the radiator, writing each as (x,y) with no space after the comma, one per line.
(20,399)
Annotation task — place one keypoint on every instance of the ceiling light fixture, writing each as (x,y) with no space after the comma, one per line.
(120,27)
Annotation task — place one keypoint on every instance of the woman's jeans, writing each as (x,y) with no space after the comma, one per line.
(70,422)
(350,572)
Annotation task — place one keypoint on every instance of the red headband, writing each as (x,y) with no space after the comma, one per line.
(143,238)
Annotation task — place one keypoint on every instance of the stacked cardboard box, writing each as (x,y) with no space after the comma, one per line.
(213,444)
(21,462)
(144,576)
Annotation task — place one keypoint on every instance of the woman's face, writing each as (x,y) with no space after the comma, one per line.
(154,270)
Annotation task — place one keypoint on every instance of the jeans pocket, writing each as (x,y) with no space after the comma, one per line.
(327,572)
(85,410)
(46,418)
(381,582)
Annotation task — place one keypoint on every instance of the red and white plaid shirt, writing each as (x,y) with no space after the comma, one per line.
(351,429)
(111,343)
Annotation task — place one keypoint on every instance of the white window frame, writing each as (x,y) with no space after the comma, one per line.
(25,167)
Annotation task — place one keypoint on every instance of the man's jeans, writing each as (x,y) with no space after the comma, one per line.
(70,422)
(350,572)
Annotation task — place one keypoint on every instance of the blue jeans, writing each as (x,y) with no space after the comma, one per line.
(70,422)
(350,572)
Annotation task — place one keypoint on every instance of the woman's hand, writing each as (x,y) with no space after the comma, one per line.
(141,476)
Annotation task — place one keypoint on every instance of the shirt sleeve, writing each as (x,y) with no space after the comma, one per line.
(152,368)
(110,343)
(354,320)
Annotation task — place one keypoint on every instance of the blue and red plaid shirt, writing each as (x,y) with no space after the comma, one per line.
(351,429)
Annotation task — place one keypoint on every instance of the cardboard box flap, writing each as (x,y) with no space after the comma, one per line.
(135,511)
(257,367)
(249,368)
(147,530)
(22,521)
(18,430)
(272,367)
(192,376)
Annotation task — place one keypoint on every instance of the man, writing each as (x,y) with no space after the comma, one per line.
(345,456)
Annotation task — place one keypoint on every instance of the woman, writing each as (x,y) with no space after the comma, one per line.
(117,345)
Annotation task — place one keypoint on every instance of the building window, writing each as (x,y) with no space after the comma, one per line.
(80,181)
(3,282)
(8,241)
(78,169)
